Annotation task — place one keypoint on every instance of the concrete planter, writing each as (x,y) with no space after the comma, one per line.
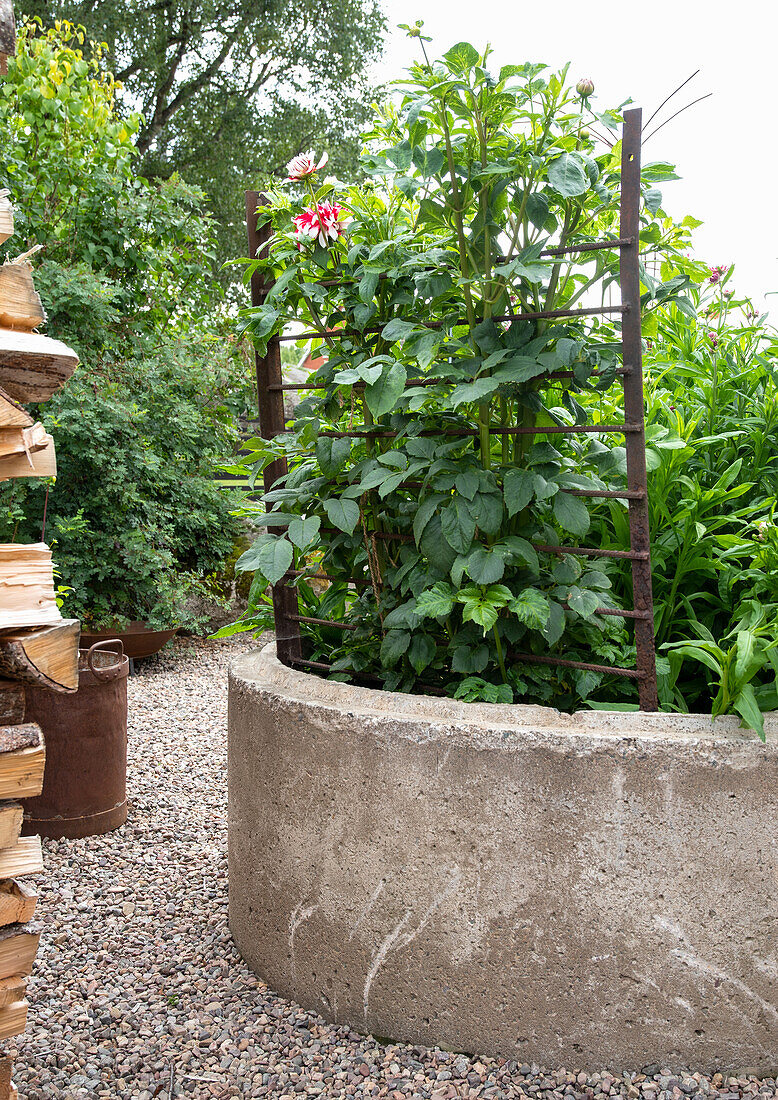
(584,890)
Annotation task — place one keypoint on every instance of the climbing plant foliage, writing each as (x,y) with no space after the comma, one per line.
(414,284)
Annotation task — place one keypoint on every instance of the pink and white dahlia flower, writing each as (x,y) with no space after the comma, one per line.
(304,165)
(320,223)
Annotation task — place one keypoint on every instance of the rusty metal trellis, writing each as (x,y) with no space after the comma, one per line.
(270,387)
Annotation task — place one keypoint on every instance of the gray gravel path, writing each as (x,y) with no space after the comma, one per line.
(138,991)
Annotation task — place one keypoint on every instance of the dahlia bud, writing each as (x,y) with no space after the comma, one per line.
(585,87)
(584,134)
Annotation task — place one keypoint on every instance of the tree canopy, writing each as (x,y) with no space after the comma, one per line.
(125,275)
(229,90)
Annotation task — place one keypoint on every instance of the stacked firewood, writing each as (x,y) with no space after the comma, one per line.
(37,646)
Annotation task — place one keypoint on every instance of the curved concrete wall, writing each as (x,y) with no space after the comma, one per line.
(588,890)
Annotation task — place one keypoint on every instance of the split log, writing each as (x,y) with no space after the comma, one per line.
(25,858)
(11,814)
(17,903)
(27,595)
(28,735)
(11,989)
(46,656)
(21,772)
(11,703)
(18,945)
(13,1019)
(12,414)
(39,463)
(20,304)
(6,209)
(33,367)
(20,441)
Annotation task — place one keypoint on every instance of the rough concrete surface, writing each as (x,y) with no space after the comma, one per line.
(595,889)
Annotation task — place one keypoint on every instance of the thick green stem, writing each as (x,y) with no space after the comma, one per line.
(505,438)
(484,435)
(459,224)
(500,658)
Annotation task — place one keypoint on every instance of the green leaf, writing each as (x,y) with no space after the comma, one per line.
(537,209)
(518,490)
(344,514)
(473,689)
(481,612)
(567,176)
(527,265)
(400,330)
(373,474)
(458,525)
(270,554)
(468,658)
(484,566)
(567,570)
(421,652)
(519,368)
(747,707)
(332,454)
(435,602)
(467,483)
(390,483)
(462,57)
(571,514)
(594,578)
(487,511)
(747,657)
(586,681)
(403,616)
(653,199)
(544,489)
(302,532)
(400,156)
(435,547)
(368,373)
(384,394)
(424,514)
(627,707)
(699,653)
(583,602)
(367,285)
(555,625)
(518,549)
(426,346)
(472,391)
(261,321)
(531,607)
(393,646)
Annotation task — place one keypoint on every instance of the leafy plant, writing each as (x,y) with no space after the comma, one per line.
(464,168)
(419,303)
(125,278)
(135,517)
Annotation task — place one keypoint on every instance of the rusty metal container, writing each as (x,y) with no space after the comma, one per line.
(138,639)
(85,782)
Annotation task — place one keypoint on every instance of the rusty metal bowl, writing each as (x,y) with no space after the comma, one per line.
(138,639)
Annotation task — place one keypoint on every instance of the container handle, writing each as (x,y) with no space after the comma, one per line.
(103,673)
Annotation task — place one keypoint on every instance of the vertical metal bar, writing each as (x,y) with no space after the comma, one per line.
(270,400)
(631,337)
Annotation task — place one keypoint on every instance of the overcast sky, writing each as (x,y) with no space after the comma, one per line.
(725,148)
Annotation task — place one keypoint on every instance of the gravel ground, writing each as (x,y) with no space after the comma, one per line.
(138,991)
